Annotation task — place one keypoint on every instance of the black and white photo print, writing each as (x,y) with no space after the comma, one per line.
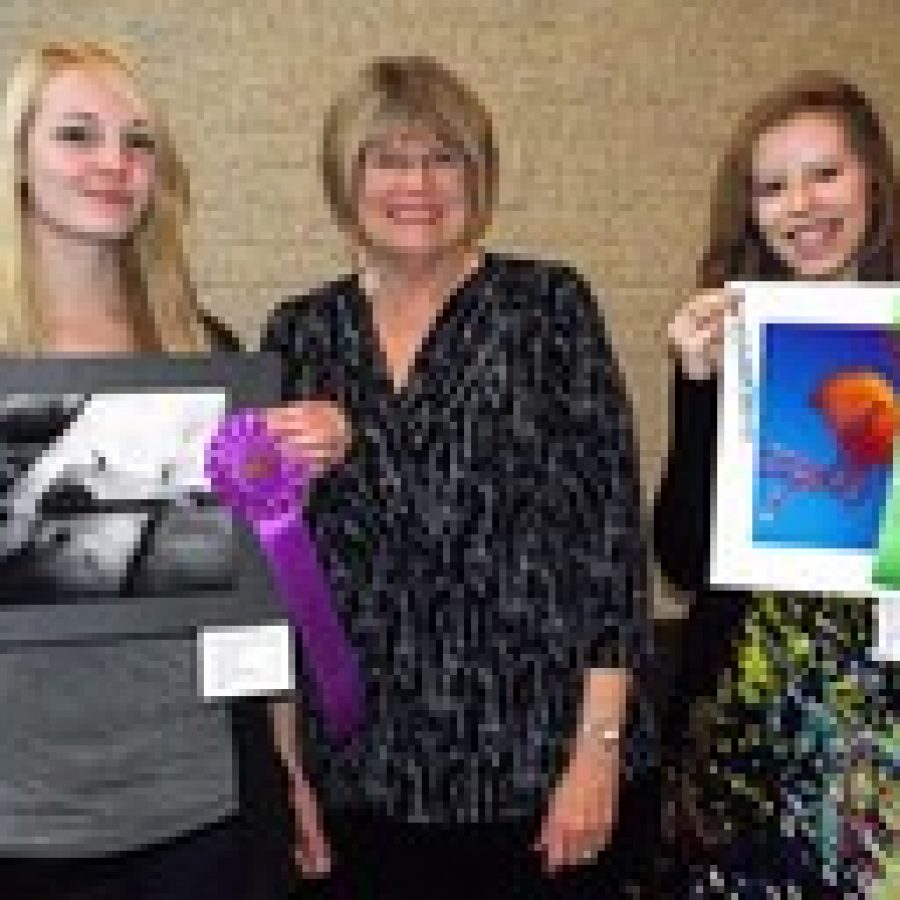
(105,494)
(108,525)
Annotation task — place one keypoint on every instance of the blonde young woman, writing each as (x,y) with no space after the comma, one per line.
(480,523)
(116,779)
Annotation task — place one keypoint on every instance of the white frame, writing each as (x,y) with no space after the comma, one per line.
(736,562)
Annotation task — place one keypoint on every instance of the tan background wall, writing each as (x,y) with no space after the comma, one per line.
(610,115)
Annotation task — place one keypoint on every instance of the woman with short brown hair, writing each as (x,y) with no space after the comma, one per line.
(481,522)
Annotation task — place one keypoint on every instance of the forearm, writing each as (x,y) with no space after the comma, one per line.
(681,519)
(283,714)
(601,721)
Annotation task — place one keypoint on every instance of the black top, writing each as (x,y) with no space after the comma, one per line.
(682,518)
(681,522)
(483,538)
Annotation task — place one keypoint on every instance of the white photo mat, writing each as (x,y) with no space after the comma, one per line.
(737,561)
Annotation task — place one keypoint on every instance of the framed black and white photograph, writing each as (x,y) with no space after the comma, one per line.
(108,525)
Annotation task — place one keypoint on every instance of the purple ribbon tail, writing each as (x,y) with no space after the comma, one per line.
(248,473)
(330,660)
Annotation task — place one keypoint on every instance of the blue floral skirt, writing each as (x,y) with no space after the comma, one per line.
(791,783)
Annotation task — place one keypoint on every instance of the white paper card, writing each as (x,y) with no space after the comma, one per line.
(241,661)
(887,646)
(740,556)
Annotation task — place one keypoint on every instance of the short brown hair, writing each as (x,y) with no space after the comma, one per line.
(411,90)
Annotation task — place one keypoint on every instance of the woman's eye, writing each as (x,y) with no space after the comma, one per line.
(140,141)
(74,134)
(385,159)
(768,188)
(827,173)
(446,158)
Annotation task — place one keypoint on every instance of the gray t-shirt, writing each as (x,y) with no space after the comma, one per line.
(109,747)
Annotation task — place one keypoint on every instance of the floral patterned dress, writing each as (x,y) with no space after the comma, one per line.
(783,737)
(801,744)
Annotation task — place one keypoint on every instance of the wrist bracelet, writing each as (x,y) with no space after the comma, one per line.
(604,733)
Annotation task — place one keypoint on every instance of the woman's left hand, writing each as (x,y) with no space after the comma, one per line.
(581,811)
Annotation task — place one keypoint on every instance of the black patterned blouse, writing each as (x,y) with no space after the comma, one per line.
(483,538)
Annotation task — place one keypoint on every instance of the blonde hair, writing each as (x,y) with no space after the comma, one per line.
(405,91)
(164,309)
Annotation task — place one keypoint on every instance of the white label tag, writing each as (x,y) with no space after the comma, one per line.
(887,613)
(240,661)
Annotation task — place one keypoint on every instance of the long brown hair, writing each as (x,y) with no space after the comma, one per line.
(736,249)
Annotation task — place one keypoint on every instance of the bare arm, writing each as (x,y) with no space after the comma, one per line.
(284,728)
(312,853)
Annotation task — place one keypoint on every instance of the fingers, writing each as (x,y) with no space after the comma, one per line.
(314,420)
(318,454)
(696,334)
(701,316)
(565,844)
(312,853)
(314,432)
(570,851)
(733,300)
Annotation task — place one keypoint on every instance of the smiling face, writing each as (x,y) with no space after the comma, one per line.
(89,156)
(811,195)
(412,198)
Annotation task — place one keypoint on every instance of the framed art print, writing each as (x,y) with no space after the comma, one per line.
(108,526)
(809,407)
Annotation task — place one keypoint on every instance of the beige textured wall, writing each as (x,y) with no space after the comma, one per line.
(610,115)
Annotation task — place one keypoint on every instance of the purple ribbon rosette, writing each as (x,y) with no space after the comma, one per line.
(249,474)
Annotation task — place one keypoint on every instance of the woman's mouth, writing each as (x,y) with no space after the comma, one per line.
(413,215)
(815,239)
(109,197)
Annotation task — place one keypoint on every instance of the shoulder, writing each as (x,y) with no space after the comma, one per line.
(323,300)
(221,336)
(529,272)
(551,288)
(300,317)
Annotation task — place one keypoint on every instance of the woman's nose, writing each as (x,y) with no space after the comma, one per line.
(798,196)
(111,158)
(417,173)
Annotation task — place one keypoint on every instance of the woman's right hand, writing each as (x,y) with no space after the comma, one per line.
(314,432)
(696,334)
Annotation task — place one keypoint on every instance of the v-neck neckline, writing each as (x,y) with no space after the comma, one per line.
(452,307)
